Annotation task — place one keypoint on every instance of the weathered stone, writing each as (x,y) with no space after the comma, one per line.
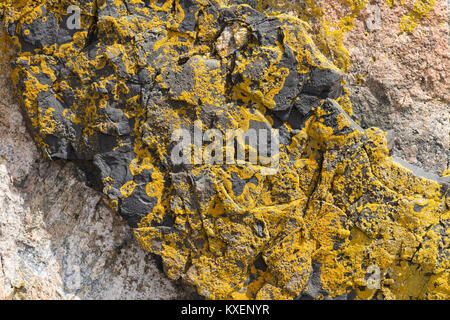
(337,204)
(398,81)
(58,237)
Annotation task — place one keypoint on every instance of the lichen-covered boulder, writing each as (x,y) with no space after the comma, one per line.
(323,213)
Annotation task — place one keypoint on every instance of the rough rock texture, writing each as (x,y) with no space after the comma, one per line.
(110,95)
(58,238)
(400,81)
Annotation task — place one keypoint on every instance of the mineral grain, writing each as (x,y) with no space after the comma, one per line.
(339,218)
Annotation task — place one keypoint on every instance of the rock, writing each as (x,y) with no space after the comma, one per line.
(327,213)
(58,237)
(405,82)
(398,81)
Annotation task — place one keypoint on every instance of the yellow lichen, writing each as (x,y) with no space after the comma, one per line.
(336,204)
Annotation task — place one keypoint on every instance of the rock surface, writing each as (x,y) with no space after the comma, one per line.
(339,200)
(58,238)
(400,82)
(396,79)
